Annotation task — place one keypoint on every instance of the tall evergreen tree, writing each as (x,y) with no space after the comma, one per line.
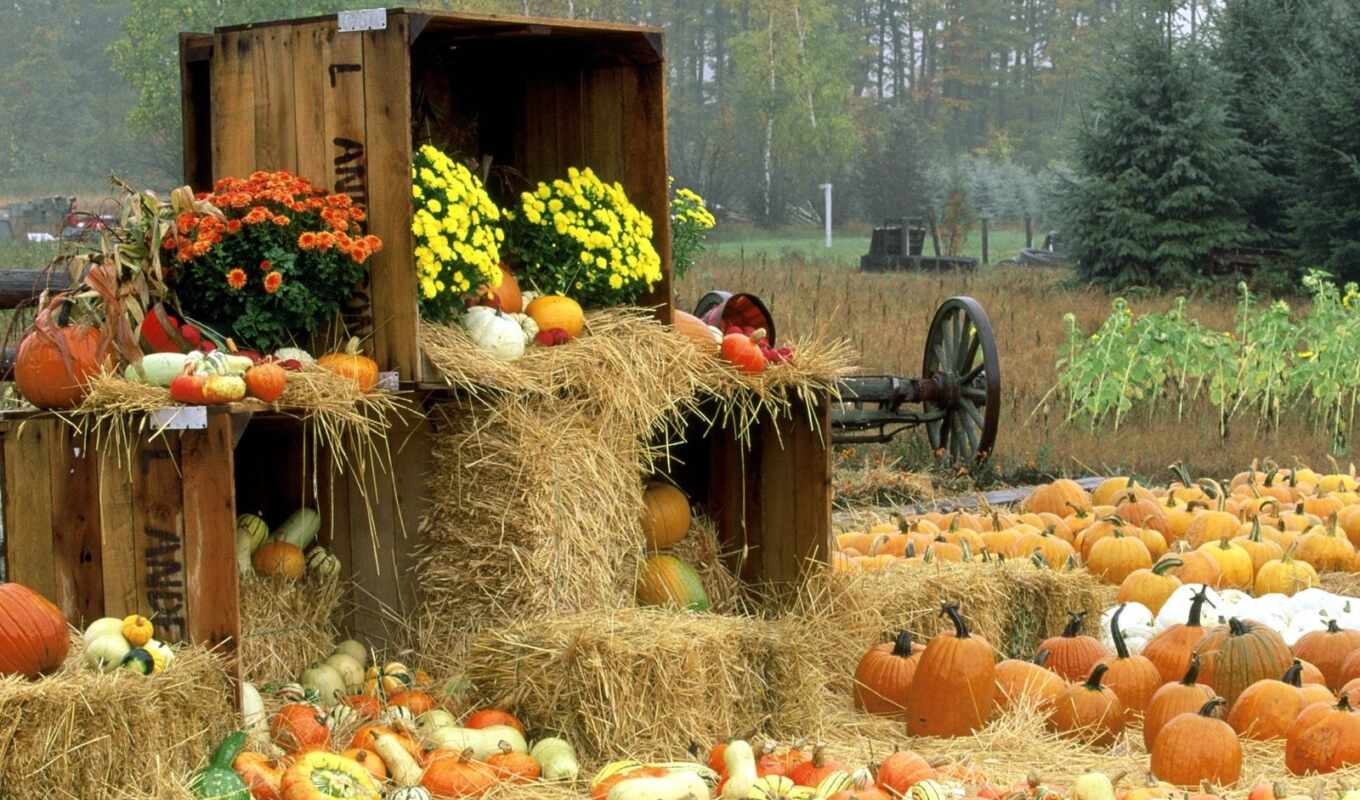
(1157,168)
(1257,43)
(891,176)
(1319,112)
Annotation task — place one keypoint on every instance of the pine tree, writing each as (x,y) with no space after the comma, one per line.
(1156,168)
(891,174)
(1318,110)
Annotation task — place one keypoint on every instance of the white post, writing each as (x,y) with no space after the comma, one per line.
(826,187)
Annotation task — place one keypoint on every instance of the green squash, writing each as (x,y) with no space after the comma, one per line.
(139,661)
(665,580)
(218,781)
(300,528)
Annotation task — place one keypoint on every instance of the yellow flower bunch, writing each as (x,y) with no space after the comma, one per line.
(583,238)
(690,223)
(457,231)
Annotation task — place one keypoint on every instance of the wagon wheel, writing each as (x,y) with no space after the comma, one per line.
(961,360)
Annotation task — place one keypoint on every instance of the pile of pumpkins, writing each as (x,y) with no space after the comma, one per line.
(285,553)
(1195,688)
(386,736)
(507,321)
(664,578)
(129,643)
(1267,532)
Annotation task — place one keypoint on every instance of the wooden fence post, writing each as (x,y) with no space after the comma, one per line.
(1029,232)
(934,231)
(984,241)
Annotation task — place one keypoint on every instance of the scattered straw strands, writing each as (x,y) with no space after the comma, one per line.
(286,626)
(633,682)
(80,734)
(701,549)
(1017,743)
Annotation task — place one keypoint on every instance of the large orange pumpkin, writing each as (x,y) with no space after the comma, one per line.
(1062,497)
(1088,710)
(954,689)
(1027,682)
(665,515)
(555,311)
(1194,748)
(352,364)
(1234,656)
(1132,678)
(1171,649)
(1328,650)
(54,362)
(884,675)
(1072,654)
(1268,707)
(1323,738)
(33,635)
(902,770)
(1173,699)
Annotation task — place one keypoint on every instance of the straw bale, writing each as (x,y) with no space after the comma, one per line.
(1343,583)
(1012,604)
(287,625)
(530,514)
(1016,744)
(701,549)
(633,682)
(80,734)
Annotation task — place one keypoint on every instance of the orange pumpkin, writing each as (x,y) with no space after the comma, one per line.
(1088,710)
(370,761)
(1152,587)
(365,739)
(1173,699)
(33,635)
(353,365)
(486,717)
(1118,556)
(1268,707)
(1323,738)
(600,790)
(262,774)
(1019,681)
(1062,497)
(1195,748)
(505,295)
(54,362)
(953,691)
(1171,649)
(450,774)
(553,311)
(665,515)
(884,675)
(1328,651)
(299,727)
(514,767)
(1072,654)
(266,381)
(368,707)
(279,559)
(1132,678)
(814,770)
(1234,656)
(417,701)
(902,770)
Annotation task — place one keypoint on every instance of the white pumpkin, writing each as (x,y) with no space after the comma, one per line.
(1176,609)
(252,708)
(1136,637)
(107,652)
(494,332)
(294,354)
(1315,600)
(1136,616)
(326,681)
(527,324)
(1271,610)
(351,671)
(354,650)
(102,627)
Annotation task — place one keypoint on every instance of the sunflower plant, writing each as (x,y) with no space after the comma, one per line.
(690,223)
(583,238)
(457,232)
(268,259)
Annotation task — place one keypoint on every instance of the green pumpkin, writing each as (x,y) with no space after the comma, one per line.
(218,781)
(139,661)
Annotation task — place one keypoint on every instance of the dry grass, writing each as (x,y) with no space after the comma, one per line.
(702,550)
(286,626)
(83,735)
(886,317)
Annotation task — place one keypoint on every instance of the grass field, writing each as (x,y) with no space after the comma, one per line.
(808,243)
(886,317)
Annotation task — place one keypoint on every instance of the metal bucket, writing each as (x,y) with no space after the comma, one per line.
(741,309)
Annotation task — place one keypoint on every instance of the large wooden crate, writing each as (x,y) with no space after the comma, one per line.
(346,108)
(103,531)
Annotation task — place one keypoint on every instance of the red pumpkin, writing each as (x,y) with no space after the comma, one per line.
(815,769)
(262,774)
(163,333)
(54,362)
(743,352)
(417,701)
(884,676)
(266,382)
(902,770)
(299,727)
(33,634)
(368,707)
(486,717)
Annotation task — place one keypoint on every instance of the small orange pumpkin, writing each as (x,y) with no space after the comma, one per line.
(486,717)
(450,774)
(514,767)
(416,700)
(262,774)
(1088,710)
(353,365)
(54,363)
(266,381)
(665,515)
(553,311)
(279,559)
(884,674)
(299,727)
(1072,654)
(370,761)
(506,295)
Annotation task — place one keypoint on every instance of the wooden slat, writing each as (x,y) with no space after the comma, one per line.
(196,110)
(118,542)
(233,105)
(158,536)
(537,142)
(810,492)
(569,87)
(28,505)
(412,465)
(78,554)
(309,101)
(213,602)
(776,448)
(392,276)
(646,172)
(336,526)
(275,129)
(346,148)
(603,129)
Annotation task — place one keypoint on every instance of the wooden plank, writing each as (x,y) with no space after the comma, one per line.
(196,109)
(212,598)
(275,129)
(537,143)
(646,173)
(233,105)
(158,536)
(392,275)
(309,101)
(602,141)
(776,448)
(78,554)
(118,542)
(346,147)
(570,96)
(810,492)
(412,466)
(28,505)
(336,524)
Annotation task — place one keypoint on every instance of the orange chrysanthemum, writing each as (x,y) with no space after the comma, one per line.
(281,220)
(357,214)
(266,265)
(272,281)
(236,278)
(373,243)
(234,226)
(359,252)
(307,240)
(325,240)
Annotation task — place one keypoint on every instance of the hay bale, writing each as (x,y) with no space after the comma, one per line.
(1343,583)
(286,626)
(83,734)
(1013,604)
(633,682)
(701,549)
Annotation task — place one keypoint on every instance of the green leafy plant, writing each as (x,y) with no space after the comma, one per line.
(690,223)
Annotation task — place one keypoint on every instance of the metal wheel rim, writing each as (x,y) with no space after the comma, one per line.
(961,332)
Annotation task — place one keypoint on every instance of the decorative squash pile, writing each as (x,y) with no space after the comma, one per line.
(284,553)
(127,643)
(1196,688)
(506,321)
(1266,533)
(382,734)
(665,579)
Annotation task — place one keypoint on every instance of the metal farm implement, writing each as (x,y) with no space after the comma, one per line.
(959,391)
